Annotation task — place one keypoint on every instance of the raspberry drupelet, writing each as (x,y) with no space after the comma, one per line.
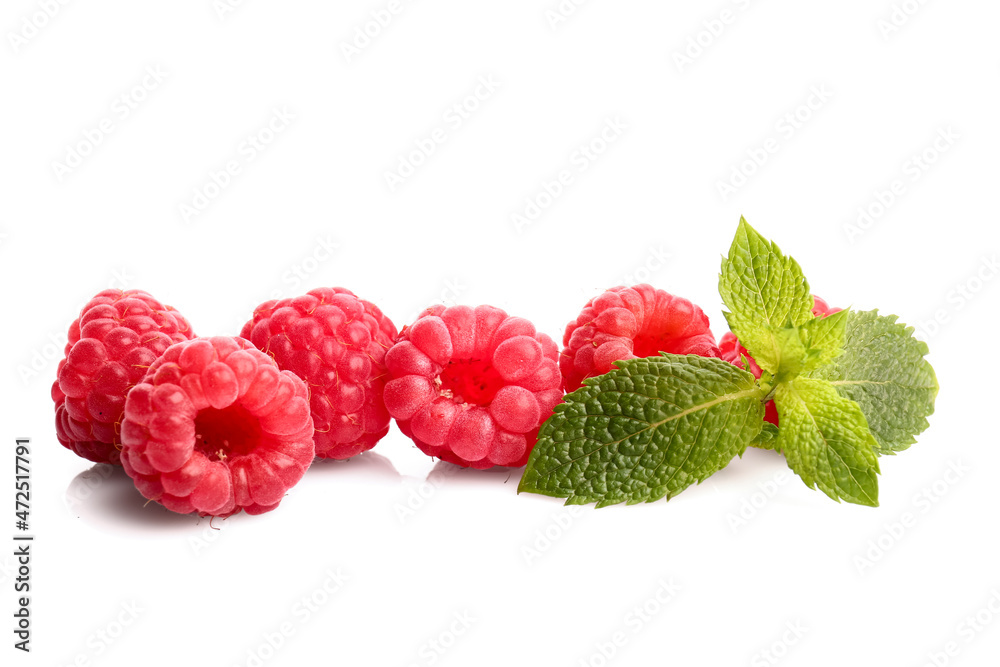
(471,386)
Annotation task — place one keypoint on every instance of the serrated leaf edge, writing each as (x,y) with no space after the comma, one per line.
(701,406)
(813,485)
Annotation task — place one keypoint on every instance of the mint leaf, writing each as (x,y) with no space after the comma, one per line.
(826,332)
(824,338)
(882,368)
(826,441)
(767,438)
(808,346)
(648,429)
(764,291)
(793,352)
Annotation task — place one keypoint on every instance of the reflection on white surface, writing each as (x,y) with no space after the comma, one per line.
(106,497)
(365,468)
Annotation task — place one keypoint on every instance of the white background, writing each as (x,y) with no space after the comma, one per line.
(536,583)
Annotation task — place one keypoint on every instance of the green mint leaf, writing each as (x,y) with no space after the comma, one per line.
(792,352)
(765,291)
(646,430)
(826,441)
(882,368)
(808,346)
(767,438)
(824,338)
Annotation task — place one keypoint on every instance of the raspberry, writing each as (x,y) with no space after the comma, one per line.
(731,351)
(215,427)
(629,323)
(472,386)
(116,338)
(336,342)
(821,309)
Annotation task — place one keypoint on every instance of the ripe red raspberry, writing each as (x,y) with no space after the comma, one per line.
(472,386)
(336,342)
(215,427)
(116,338)
(731,351)
(629,323)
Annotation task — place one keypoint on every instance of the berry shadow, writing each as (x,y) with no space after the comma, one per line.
(105,496)
(472,477)
(366,467)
